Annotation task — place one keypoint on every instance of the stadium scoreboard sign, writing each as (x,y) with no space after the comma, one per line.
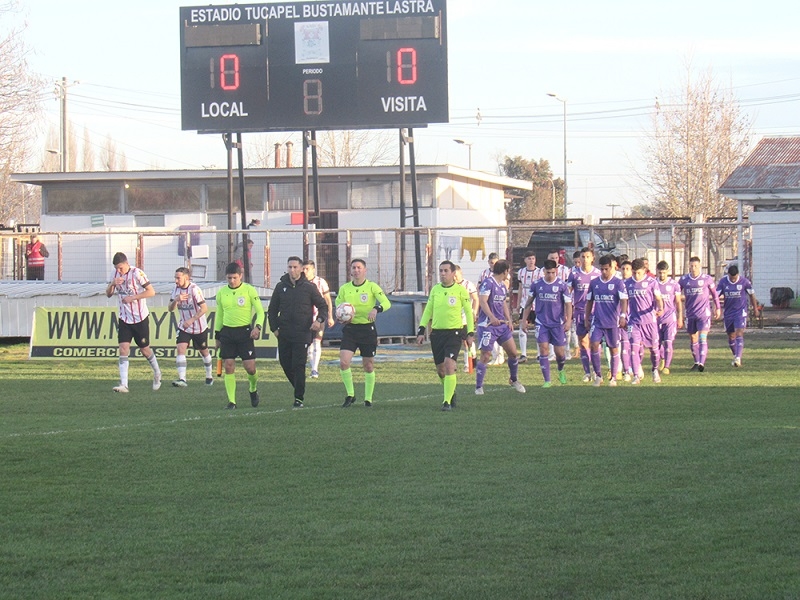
(313,65)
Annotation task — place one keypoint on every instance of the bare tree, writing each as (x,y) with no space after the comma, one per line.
(19,109)
(357,148)
(109,157)
(87,157)
(697,139)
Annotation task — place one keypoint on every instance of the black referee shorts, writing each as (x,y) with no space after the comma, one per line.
(236,342)
(363,337)
(445,343)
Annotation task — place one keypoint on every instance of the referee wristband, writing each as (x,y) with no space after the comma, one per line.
(421,330)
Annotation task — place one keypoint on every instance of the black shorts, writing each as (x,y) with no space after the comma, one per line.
(236,342)
(137,332)
(362,337)
(199,340)
(445,343)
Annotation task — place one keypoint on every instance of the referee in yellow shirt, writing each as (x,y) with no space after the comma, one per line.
(447,302)
(235,331)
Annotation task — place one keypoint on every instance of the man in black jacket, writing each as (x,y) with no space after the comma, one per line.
(291,320)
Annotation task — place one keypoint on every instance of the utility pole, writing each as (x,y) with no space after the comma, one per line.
(61,94)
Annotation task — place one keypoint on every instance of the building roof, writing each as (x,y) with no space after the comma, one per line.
(445,171)
(770,172)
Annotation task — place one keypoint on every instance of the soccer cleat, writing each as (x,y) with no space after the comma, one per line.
(640,375)
(695,367)
(453,400)
(157,381)
(121,389)
(181,383)
(348,400)
(517,386)
(626,377)
(619,377)
(597,381)
(665,370)
(231,406)
(562,377)
(701,367)
(522,359)
(479,391)
(661,365)
(636,380)
(297,403)
(612,383)
(209,381)
(254,399)
(446,407)
(314,374)
(587,378)
(737,362)
(656,376)
(547,384)
(367,403)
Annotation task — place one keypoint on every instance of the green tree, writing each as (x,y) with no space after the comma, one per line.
(539,203)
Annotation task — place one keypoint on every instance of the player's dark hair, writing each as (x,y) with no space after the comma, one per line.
(550,264)
(622,258)
(359,260)
(530,253)
(662,265)
(499,267)
(586,249)
(183,271)
(606,260)
(119,258)
(637,264)
(492,255)
(733,270)
(695,259)
(576,254)
(233,269)
(449,263)
(297,258)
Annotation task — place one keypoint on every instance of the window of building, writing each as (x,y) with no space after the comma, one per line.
(218,197)
(162,198)
(149,221)
(285,196)
(85,200)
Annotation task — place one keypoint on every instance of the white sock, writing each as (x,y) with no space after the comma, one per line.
(180,362)
(123,370)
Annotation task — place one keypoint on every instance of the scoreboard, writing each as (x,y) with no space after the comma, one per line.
(313,65)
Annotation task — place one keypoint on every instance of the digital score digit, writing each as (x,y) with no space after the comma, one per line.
(313,65)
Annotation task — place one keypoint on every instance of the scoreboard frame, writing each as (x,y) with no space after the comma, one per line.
(297,66)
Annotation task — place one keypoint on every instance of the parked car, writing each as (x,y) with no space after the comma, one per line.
(545,241)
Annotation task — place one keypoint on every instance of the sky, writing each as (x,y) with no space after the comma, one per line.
(608,60)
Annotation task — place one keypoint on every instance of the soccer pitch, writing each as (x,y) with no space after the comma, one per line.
(686,489)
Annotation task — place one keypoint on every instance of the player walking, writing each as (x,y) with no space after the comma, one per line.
(553,319)
(736,290)
(526,276)
(188,298)
(315,349)
(579,281)
(644,307)
(672,318)
(447,303)
(699,291)
(132,288)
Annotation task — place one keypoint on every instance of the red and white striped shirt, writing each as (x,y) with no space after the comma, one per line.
(190,308)
(135,281)
(323,288)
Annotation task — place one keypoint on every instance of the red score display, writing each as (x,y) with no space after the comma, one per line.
(275,67)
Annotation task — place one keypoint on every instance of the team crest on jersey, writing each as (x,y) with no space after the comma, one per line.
(555,288)
(611,287)
(738,287)
(451,300)
(364,298)
(240,300)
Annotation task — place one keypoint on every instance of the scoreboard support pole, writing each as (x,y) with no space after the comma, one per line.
(415,207)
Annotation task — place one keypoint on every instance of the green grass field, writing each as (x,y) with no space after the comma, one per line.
(687,489)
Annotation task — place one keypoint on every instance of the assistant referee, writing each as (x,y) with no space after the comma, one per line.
(447,302)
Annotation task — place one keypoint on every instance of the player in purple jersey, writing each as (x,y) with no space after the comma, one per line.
(644,307)
(579,281)
(553,319)
(698,292)
(736,290)
(494,325)
(625,272)
(606,309)
(672,318)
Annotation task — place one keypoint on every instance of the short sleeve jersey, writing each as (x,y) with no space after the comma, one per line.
(606,297)
(189,309)
(551,299)
(364,298)
(135,281)
(736,295)
(323,288)
(446,306)
(579,281)
(698,293)
(497,292)
(642,300)
(236,307)
(526,277)
(670,291)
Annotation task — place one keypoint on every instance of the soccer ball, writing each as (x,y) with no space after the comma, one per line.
(345,312)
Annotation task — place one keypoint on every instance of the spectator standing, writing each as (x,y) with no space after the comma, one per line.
(35,253)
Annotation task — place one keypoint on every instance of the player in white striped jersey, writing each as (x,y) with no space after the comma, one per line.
(527,276)
(188,298)
(132,288)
